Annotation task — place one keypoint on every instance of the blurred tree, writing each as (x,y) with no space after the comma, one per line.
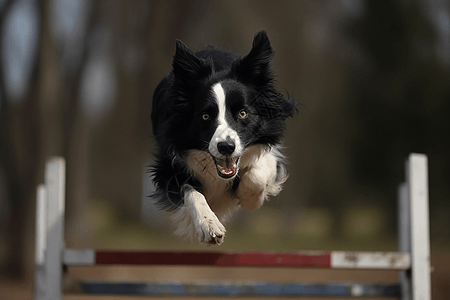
(370,84)
(401,106)
(19,152)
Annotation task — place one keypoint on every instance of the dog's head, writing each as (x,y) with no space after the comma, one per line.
(222,104)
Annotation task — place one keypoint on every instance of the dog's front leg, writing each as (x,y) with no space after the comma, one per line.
(195,219)
(259,180)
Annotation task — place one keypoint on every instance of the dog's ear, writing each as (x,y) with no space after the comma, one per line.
(254,68)
(187,66)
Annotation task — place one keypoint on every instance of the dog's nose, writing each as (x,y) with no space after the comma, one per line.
(226,147)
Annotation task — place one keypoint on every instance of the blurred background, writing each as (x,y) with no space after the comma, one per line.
(77,77)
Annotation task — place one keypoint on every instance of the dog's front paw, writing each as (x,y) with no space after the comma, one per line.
(210,230)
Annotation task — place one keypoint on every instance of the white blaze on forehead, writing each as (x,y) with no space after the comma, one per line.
(223,130)
(220,97)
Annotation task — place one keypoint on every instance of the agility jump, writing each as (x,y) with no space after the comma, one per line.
(412,260)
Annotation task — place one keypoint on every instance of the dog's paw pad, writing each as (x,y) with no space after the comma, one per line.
(216,240)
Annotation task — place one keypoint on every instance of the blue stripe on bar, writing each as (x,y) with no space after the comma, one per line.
(204,288)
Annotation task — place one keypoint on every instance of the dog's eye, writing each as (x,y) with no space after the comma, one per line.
(243,114)
(205,117)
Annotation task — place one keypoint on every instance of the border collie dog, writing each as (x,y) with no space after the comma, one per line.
(218,120)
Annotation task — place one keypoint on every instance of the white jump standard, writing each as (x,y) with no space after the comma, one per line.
(412,260)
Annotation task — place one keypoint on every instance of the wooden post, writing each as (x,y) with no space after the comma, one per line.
(417,178)
(55,185)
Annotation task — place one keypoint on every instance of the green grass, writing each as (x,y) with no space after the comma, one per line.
(264,231)
(133,235)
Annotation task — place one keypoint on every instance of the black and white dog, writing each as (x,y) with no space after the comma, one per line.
(218,120)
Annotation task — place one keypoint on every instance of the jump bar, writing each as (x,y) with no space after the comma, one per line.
(307,259)
(348,289)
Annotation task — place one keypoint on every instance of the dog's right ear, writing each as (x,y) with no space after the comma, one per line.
(187,66)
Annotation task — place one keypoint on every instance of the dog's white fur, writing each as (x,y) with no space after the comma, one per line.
(195,218)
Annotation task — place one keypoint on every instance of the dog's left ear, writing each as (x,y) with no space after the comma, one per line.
(254,68)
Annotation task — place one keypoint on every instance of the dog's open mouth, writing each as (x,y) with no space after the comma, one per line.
(228,167)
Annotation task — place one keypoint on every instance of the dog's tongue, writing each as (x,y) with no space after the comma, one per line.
(227,167)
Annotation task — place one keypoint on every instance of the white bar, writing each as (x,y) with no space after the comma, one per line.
(80,257)
(55,184)
(420,237)
(40,281)
(404,237)
(370,260)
